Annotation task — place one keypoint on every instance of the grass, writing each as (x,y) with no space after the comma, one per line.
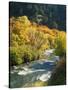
(39,83)
(36,84)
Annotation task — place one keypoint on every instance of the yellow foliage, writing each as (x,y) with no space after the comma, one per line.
(37,36)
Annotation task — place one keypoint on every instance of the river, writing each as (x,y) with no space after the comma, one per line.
(24,75)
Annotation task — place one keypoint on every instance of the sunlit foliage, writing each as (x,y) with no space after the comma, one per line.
(28,40)
(61,44)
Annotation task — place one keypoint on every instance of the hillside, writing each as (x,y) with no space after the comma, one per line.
(54,16)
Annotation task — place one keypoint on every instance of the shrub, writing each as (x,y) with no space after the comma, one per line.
(27,56)
(25,52)
(60,44)
(28,40)
(15,58)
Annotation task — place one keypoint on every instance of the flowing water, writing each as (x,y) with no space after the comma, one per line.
(24,75)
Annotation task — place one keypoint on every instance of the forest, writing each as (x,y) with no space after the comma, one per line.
(52,15)
(33,29)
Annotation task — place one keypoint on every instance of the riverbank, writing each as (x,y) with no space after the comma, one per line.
(36,73)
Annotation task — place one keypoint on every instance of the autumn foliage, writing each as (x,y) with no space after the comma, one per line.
(29,40)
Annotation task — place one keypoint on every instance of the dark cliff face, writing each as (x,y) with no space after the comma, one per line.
(53,16)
